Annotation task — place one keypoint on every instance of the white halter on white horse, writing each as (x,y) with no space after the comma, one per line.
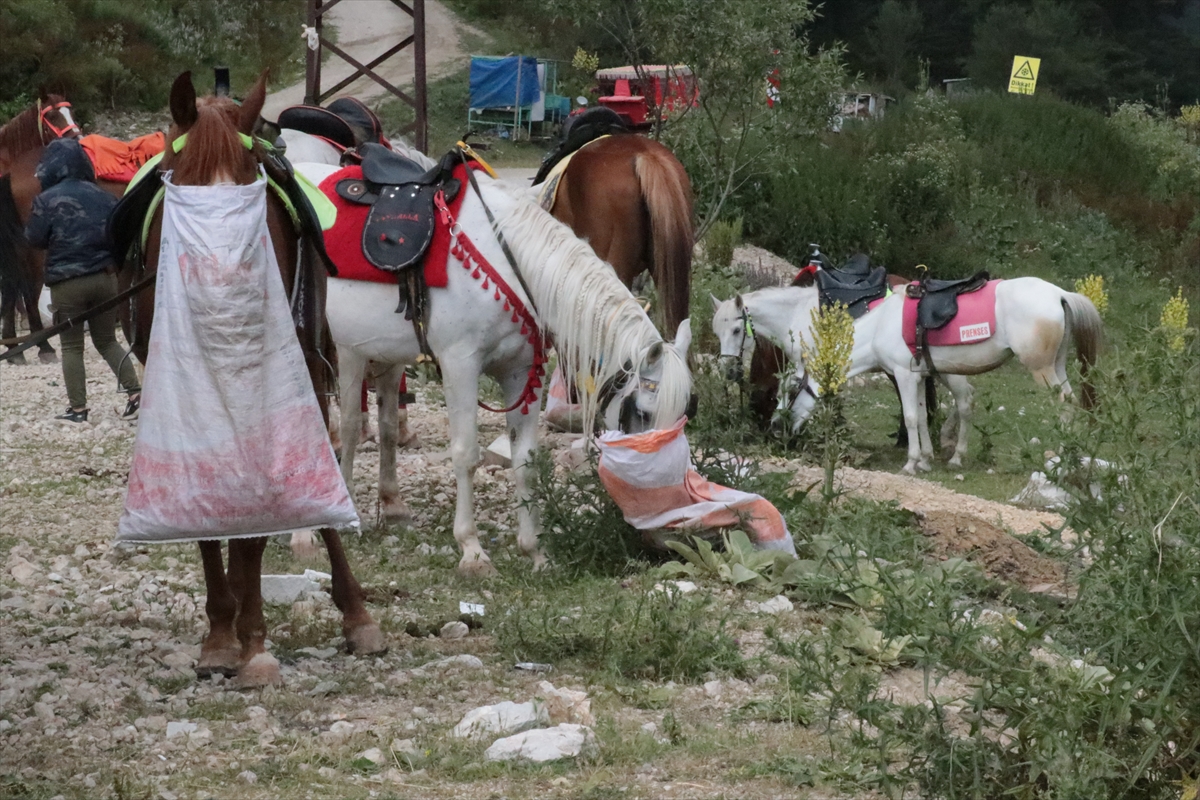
(1034,321)
(597,326)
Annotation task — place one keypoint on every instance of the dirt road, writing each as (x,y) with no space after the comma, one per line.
(368,28)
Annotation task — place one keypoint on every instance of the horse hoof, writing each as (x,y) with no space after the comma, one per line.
(223,661)
(476,567)
(540,562)
(366,640)
(304,546)
(397,514)
(49,357)
(955,462)
(18,359)
(910,468)
(924,466)
(408,440)
(262,670)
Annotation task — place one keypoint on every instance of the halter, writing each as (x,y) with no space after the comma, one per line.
(747,326)
(803,385)
(44,122)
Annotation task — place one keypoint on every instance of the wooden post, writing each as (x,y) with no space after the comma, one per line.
(312,58)
(421,106)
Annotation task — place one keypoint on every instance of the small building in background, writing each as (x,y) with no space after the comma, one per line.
(859,105)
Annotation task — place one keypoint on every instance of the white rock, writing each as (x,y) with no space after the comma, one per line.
(327,773)
(247,776)
(505,717)
(22,571)
(566,705)
(464,660)
(405,747)
(287,588)
(179,659)
(341,729)
(712,689)
(184,728)
(776,605)
(455,630)
(673,587)
(546,744)
(374,755)
(498,453)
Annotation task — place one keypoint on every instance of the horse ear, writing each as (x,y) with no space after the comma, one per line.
(716,303)
(252,106)
(737,301)
(183,101)
(683,337)
(654,354)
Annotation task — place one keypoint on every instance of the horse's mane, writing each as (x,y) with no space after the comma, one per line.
(405,149)
(598,326)
(21,132)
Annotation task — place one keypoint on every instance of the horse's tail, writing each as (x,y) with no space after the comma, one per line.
(667,193)
(1088,332)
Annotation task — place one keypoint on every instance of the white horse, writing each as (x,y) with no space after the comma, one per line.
(598,328)
(1034,321)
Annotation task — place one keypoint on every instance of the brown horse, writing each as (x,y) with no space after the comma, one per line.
(21,143)
(215,153)
(631,199)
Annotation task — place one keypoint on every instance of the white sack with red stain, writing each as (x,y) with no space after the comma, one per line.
(230,440)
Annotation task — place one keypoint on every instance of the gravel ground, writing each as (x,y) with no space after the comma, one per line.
(98,642)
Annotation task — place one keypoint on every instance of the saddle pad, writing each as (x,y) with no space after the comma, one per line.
(547,190)
(975,321)
(343,242)
(118,161)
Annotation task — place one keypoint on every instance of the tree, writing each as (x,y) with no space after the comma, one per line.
(891,38)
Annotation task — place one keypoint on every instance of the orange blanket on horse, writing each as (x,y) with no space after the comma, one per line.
(119,161)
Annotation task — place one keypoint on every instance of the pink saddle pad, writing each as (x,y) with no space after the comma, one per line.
(975,321)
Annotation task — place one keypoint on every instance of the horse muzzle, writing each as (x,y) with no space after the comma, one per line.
(734,371)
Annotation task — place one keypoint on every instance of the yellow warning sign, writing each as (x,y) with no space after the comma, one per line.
(1024,74)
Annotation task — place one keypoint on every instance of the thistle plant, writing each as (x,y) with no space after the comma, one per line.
(1092,287)
(585,62)
(827,358)
(1174,321)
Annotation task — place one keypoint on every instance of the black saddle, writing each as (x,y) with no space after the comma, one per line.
(578,131)
(937,302)
(321,122)
(400,192)
(362,120)
(852,290)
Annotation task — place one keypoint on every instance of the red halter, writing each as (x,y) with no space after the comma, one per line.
(44,122)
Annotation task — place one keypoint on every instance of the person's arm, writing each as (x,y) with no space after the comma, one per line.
(37,231)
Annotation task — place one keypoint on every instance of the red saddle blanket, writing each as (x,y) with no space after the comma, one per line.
(118,161)
(343,242)
(975,321)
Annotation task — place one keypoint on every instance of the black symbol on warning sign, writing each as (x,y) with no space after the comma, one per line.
(1024,73)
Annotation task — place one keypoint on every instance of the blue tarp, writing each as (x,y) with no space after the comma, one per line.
(494,81)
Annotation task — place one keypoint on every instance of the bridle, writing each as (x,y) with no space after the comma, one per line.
(44,121)
(801,386)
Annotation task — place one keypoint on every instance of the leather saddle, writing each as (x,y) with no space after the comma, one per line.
(578,131)
(400,192)
(937,300)
(362,120)
(317,121)
(855,284)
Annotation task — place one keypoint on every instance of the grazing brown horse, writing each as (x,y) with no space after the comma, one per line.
(215,153)
(21,143)
(631,199)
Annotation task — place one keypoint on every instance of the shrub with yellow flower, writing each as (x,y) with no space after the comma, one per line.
(1174,321)
(585,62)
(1092,287)
(828,357)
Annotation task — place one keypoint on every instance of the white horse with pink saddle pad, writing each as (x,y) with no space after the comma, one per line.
(1028,318)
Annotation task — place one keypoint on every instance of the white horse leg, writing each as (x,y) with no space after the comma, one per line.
(351,368)
(392,505)
(926,462)
(304,545)
(522,434)
(908,383)
(460,376)
(963,393)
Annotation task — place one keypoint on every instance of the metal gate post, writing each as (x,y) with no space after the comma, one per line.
(314,96)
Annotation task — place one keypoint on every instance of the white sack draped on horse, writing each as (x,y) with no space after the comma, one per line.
(230,441)
(597,327)
(1035,321)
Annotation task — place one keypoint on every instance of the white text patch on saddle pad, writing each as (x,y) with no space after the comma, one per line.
(975,321)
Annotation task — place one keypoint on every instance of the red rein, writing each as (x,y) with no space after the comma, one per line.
(474,262)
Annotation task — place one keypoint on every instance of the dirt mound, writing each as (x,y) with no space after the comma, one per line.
(1001,556)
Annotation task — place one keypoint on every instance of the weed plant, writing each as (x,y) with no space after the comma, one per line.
(720,240)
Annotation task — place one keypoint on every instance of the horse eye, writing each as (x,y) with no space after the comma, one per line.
(649,386)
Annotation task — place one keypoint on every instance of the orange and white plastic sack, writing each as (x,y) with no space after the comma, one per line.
(230,440)
(651,479)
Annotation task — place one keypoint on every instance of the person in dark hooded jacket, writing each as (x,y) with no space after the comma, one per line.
(68,221)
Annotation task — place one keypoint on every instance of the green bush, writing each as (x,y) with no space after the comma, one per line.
(720,240)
